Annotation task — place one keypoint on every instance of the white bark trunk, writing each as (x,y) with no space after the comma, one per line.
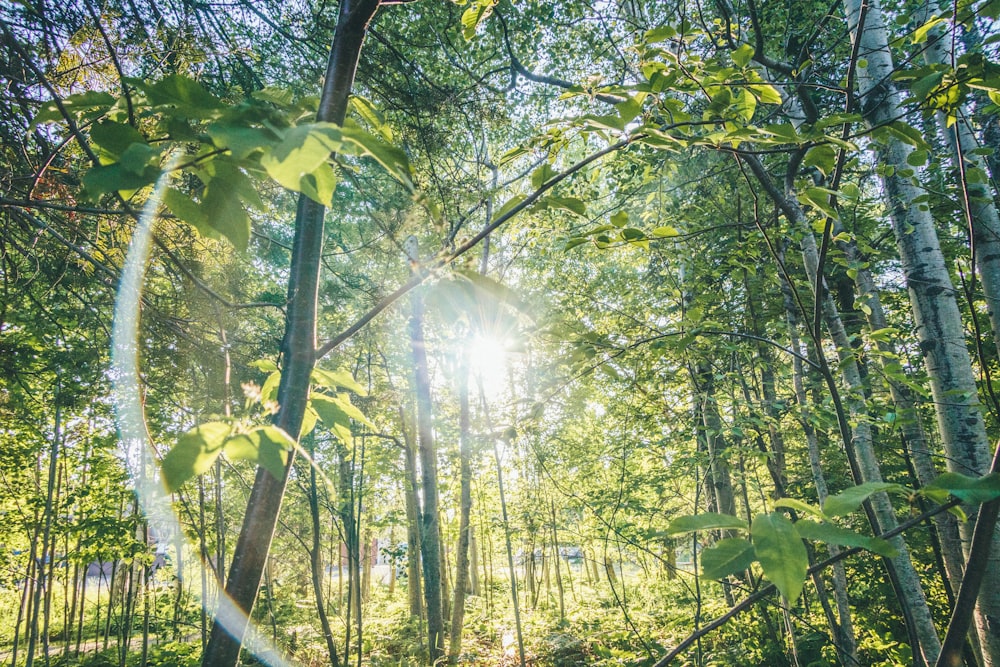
(932,295)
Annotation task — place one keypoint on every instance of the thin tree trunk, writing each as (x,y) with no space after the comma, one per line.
(465,511)
(846,642)
(413,569)
(474,588)
(316,560)
(506,530)
(298,352)
(41,582)
(430,547)
(557,559)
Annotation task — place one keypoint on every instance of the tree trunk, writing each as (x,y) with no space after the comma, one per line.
(858,439)
(557,559)
(979,204)
(845,641)
(298,352)
(932,295)
(474,588)
(465,511)
(506,530)
(430,534)
(42,582)
(316,561)
(413,569)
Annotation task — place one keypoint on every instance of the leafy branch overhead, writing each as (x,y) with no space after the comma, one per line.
(267,445)
(776,542)
(228,149)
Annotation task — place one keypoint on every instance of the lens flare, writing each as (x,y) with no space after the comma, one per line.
(127,396)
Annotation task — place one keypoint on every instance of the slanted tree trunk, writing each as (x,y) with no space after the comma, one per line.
(858,439)
(980,206)
(932,294)
(846,641)
(298,353)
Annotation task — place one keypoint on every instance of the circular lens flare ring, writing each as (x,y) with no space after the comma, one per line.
(153,497)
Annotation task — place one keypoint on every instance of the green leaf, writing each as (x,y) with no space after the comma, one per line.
(850,499)
(512,155)
(917,158)
(189,211)
(781,553)
(508,206)
(742,55)
(823,157)
(660,34)
(792,503)
(333,416)
(665,232)
(920,34)
(476,13)
(116,178)
(225,213)
(302,151)
(832,534)
(923,86)
(337,410)
(225,172)
(542,174)
(267,445)
(266,365)
(571,204)
(766,93)
(114,137)
(968,489)
(194,453)
(393,159)
(334,379)
(241,140)
(139,157)
(908,134)
(309,419)
(269,390)
(631,107)
(186,95)
(707,521)
(745,105)
(371,115)
(81,104)
(726,557)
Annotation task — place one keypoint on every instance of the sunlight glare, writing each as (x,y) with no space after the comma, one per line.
(488,363)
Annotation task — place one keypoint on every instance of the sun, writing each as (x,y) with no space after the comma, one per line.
(489,363)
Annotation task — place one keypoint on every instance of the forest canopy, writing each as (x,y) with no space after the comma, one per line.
(499,332)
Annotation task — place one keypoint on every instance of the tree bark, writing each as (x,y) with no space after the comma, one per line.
(465,511)
(858,439)
(316,562)
(932,294)
(846,641)
(298,352)
(413,569)
(430,547)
